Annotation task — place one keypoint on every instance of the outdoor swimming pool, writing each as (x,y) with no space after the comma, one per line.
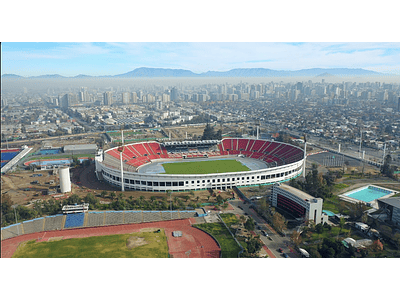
(368,193)
(49,151)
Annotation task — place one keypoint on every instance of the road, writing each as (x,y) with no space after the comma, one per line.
(275,242)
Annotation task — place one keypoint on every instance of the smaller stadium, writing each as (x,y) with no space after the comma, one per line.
(10,157)
(80,233)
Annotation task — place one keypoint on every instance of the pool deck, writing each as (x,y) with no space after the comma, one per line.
(372,203)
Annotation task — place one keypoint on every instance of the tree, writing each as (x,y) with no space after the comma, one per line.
(112,195)
(91,199)
(386,169)
(279,222)
(103,194)
(210,134)
(249,225)
(253,245)
(295,237)
(356,210)
(342,222)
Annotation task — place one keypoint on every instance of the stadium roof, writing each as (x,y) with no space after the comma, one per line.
(393,201)
(296,192)
(188,143)
(80,147)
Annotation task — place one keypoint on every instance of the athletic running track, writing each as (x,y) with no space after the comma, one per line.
(193,243)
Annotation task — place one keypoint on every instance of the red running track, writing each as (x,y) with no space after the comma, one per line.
(194,243)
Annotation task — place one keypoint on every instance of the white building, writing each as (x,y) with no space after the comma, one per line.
(298,203)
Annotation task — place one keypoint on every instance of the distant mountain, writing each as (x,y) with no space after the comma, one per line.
(49,76)
(158,72)
(11,76)
(83,76)
(326,74)
(242,72)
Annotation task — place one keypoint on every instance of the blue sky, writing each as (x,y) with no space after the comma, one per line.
(70,59)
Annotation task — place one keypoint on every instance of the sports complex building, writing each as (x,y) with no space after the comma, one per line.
(298,203)
(253,161)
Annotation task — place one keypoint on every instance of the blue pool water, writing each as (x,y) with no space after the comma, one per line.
(329,213)
(52,162)
(368,194)
(49,151)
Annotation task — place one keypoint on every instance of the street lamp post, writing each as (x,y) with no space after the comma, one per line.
(16,220)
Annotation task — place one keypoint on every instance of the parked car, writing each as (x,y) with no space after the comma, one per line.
(264,233)
(285,255)
(280,250)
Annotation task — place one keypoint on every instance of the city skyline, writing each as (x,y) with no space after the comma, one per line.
(99,59)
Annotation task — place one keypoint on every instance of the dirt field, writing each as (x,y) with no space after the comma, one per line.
(84,181)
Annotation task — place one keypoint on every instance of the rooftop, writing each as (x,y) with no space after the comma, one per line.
(296,192)
(393,201)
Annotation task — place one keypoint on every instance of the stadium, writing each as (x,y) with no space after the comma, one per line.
(196,165)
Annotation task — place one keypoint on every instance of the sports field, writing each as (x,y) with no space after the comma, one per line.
(204,167)
(150,244)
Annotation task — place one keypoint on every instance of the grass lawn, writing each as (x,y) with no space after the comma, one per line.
(229,247)
(229,219)
(204,167)
(109,246)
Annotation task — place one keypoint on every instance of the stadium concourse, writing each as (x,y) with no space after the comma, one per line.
(194,243)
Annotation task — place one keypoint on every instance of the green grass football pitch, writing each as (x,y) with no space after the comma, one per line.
(204,167)
(108,246)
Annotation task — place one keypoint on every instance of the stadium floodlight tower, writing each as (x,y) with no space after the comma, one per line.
(305,156)
(121,149)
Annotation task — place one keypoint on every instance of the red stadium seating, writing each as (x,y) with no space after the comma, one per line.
(268,151)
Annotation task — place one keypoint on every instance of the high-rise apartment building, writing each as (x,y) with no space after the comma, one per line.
(108,98)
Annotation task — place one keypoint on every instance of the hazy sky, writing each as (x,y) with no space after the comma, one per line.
(70,59)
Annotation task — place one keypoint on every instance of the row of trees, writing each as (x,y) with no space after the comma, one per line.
(315,184)
(386,168)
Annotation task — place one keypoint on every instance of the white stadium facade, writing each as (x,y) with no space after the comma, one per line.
(269,162)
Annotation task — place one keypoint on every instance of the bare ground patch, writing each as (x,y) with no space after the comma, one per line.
(135,241)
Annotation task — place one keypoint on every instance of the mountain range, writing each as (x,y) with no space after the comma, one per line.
(242,72)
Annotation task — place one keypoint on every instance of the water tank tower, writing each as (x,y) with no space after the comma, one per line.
(65,180)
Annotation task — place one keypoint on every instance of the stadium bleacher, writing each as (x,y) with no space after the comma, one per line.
(95,219)
(152,216)
(31,226)
(188,214)
(74,220)
(114,217)
(168,215)
(11,231)
(133,217)
(53,222)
